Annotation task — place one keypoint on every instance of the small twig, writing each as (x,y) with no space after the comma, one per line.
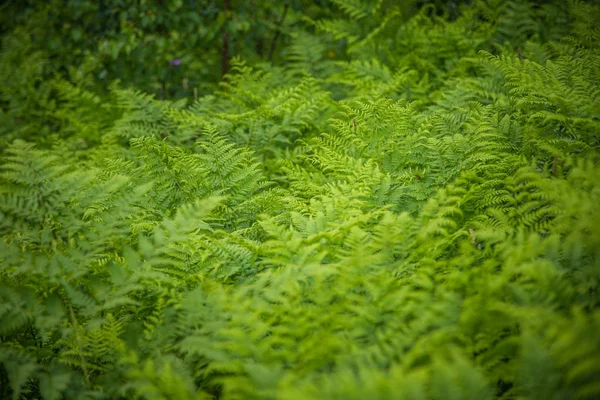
(260,47)
(225,48)
(278,31)
(34,336)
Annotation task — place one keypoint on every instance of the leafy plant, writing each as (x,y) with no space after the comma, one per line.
(375,201)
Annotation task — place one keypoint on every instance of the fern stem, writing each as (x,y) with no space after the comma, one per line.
(79,345)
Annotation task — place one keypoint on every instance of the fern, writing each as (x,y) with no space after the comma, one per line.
(402,205)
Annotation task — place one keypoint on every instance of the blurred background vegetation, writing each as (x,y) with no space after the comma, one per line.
(182,48)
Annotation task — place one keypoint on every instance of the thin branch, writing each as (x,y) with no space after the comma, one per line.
(225,47)
(278,31)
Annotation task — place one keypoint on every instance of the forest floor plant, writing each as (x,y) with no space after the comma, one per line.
(382,202)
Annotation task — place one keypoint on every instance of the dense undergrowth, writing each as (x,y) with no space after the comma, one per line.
(397,202)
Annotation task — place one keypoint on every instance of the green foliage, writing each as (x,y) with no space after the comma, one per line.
(398,201)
